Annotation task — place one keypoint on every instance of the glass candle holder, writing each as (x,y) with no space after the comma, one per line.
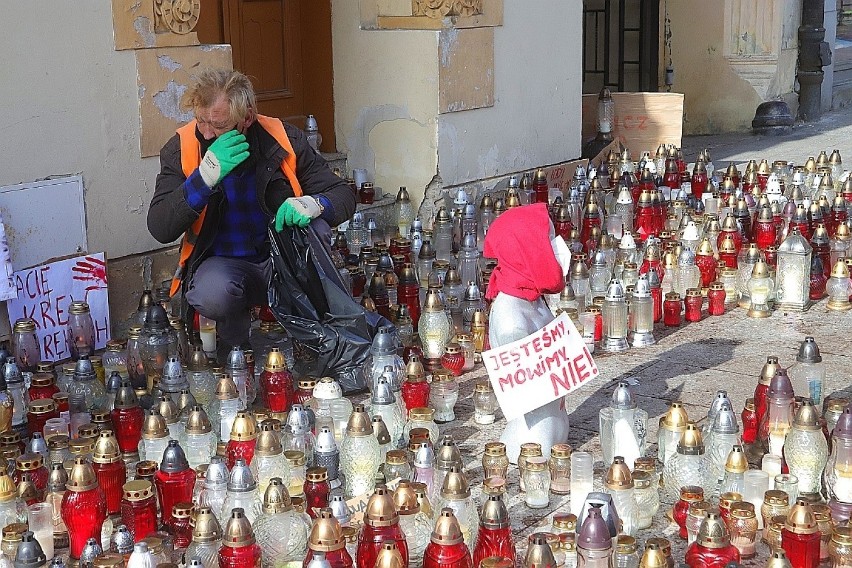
(789,484)
(40,521)
(647,496)
(582,480)
(840,547)
(484,403)
(495,462)
(743,528)
(443,395)
(672,310)
(560,469)
(397,466)
(537,482)
(693,303)
(716,299)
(774,503)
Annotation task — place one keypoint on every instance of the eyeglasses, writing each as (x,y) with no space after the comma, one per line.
(216,126)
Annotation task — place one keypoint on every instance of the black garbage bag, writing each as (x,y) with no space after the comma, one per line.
(331,332)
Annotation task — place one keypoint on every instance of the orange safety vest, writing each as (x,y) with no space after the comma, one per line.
(190,159)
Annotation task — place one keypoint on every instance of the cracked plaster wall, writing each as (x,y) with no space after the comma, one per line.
(535,119)
(386,100)
(71,105)
(720,96)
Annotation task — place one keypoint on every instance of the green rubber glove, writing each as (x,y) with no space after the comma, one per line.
(297,211)
(226,153)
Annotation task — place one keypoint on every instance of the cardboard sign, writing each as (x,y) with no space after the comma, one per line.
(44,293)
(539,368)
(642,120)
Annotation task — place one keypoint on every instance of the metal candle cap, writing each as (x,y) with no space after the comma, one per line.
(382,393)
(843,428)
(206,528)
(405,499)
(447,456)
(238,531)
(241,479)
(675,419)
(653,557)
(268,442)
(125,397)
(276,498)
(807,417)
(800,519)
(713,533)
(106,448)
(725,421)
(326,535)
(494,514)
(455,485)
(615,291)
(809,352)
(778,560)
(736,461)
(56,480)
(594,534)
(380,430)
(622,397)
(174,460)
(769,370)
(326,442)
(244,428)
(198,422)
(29,553)
(121,542)
(82,477)
(691,443)
(618,475)
(539,552)
(226,389)
(380,511)
(780,385)
(359,422)
(217,473)
(447,530)
(384,342)
(168,409)
(389,556)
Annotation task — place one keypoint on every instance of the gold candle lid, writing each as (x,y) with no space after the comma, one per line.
(495,449)
(801,519)
(106,448)
(380,511)
(276,498)
(82,477)
(653,557)
(618,476)
(558,451)
(389,556)
(326,535)
(447,530)
(137,490)
(244,428)
(736,461)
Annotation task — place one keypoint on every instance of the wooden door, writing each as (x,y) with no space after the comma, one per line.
(284,47)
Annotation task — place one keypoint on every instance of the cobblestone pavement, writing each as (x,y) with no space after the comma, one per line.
(689,363)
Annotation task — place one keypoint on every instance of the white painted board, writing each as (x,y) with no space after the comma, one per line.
(44,220)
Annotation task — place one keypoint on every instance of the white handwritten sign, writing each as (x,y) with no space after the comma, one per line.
(543,366)
(44,293)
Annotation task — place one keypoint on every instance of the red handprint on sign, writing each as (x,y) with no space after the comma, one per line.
(93,270)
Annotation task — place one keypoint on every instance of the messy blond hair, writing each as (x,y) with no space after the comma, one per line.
(213,83)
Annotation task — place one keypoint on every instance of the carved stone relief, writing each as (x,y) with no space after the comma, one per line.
(441,8)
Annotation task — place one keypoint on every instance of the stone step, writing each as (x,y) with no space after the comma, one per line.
(336,160)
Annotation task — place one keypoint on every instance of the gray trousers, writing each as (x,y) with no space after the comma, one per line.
(224,289)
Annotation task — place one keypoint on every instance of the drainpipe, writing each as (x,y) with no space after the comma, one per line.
(814,54)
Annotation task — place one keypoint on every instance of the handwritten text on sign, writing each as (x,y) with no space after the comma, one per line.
(541,367)
(44,293)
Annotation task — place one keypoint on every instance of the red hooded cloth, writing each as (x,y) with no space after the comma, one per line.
(526,267)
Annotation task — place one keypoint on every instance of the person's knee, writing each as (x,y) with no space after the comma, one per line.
(215,297)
